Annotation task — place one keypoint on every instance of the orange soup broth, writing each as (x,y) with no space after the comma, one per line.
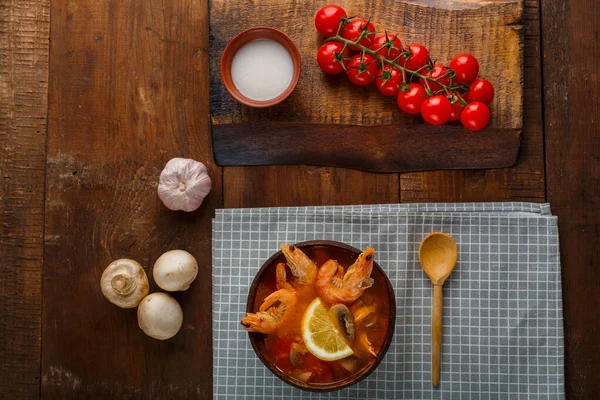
(277,346)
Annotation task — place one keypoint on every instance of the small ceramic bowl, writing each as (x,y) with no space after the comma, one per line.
(240,40)
(319,251)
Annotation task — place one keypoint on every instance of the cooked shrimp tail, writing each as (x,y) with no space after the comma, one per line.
(280,278)
(331,273)
(365,343)
(275,310)
(333,286)
(285,297)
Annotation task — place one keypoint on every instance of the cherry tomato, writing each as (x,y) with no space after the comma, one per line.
(387,46)
(437,72)
(457,106)
(466,68)
(410,100)
(418,58)
(327,20)
(353,29)
(388,80)
(362,69)
(481,90)
(436,110)
(329,56)
(475,116)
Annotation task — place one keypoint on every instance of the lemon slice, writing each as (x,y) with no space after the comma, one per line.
(320,336)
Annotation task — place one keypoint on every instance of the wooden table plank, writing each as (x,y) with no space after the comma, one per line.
(524,182)
(305,186)
(128,91)
(24,27)
(572,86)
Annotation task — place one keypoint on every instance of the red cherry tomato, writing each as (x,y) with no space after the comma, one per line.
(481,90)
(418,58)
(388,80)
(475,116)
(387,46)
(410,100)
(436,110)
(466,68)
(330,57)
(437,72)
(353,29)
(457,106)
(362,69)
(327,20)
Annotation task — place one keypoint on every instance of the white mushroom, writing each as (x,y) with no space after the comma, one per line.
(160,316)
(342,319)
(124,283)
(175,270)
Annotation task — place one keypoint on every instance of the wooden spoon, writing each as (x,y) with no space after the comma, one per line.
(438,254)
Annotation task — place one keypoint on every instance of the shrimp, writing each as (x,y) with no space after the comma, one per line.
(280,279)
(366,345)
(335,287)
(302,267)
(275,311)
(362,312)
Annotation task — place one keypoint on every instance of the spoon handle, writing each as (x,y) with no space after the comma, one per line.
(436,335)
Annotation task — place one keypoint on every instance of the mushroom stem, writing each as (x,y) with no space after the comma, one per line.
(123,284)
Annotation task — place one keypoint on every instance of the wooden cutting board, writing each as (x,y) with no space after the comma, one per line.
(330,121)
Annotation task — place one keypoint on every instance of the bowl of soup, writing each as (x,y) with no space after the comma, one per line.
(320,315)
(260,67)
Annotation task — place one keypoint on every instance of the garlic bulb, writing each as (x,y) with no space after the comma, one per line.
(184,183)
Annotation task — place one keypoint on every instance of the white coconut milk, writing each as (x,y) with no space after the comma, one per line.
(262,69)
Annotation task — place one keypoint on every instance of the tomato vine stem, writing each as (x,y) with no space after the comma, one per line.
(393,63)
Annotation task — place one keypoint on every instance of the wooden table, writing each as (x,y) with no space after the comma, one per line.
(89,118)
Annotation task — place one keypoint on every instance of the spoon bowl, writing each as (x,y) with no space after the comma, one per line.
(438,254)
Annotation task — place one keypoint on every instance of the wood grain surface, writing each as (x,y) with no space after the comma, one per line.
(128,92)
(24,30)
(326,116)
(525,181)
(307,186)
(385,151)
(571,88)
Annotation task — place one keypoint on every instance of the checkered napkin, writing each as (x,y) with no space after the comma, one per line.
(503,327)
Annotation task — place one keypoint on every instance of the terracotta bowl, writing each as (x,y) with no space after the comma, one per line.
(346,255)
(241,39)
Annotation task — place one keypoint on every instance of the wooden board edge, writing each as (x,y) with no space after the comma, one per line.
(392,150)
